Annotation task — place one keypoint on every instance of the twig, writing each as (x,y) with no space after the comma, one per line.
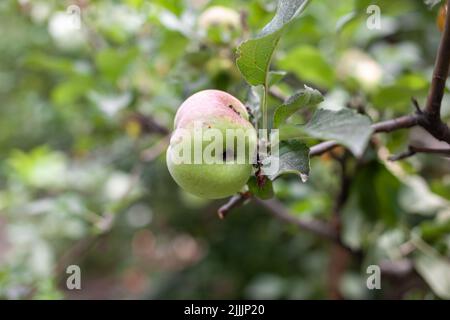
(317,227)
(440,74)
(431,119)
(154,151)
(396,124)
(412,150)
(322,147)
(234,202)
(148,124)
(406,154)
(384,126)
(416,105)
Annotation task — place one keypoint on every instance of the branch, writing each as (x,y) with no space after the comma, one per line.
(322,147)
(440,74)
(396,124)
(412,150)
(431,120)
(384,126)
(234,202)
(156,150)
(149,124)
(277,209)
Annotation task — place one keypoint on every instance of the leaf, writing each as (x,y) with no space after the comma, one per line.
(397,96)
(345,20)
(276,76)
(310,65)
(436,272)
(431,3)
(346,126)
(264,191)
(113,63)
(291,131)
(70,91)
(381,201)
(416,197)
(254,55)
(433,230)
(293,158)
(303,98)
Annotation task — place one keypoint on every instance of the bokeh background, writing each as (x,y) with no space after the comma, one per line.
(84,121)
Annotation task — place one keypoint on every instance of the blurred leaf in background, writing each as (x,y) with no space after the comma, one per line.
(84,122)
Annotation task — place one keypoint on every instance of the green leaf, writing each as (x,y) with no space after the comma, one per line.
(303,98)
(276,76)
(346,126)
(417,198)
(310,65)
(381,202)
(70,91)
(433,230)
(293,158)
(263,192)
(345,20)
(435,271)
(397,96)
(254,55)
(113,63)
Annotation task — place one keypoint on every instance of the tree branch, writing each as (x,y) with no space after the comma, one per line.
(396,124)
(431,119)
(317,227)
(277,209)
(149,124)
(412,150)
(384,126)
(234,202)
(440,74)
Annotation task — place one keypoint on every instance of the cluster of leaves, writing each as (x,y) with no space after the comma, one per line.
(82,173)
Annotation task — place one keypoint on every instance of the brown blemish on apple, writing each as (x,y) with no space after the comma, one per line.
(235,111)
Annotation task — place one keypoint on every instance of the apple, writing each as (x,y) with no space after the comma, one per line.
(219,24)
(219,16)
(213,146)
(356,65)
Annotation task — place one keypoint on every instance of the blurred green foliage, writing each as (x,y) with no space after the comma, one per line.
(83,179)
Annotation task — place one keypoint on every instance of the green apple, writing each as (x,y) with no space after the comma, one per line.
(219,25)
(213,146)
